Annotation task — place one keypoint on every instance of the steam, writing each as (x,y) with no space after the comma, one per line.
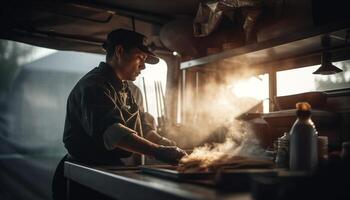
(240,143)
(208,111)
(210,123)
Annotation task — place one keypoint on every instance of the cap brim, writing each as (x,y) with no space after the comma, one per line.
(151,58)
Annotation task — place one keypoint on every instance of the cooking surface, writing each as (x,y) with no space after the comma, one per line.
(228,184)
(122,184)
(172,173)
(223,179)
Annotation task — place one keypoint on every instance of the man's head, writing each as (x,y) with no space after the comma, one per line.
(129,51)
(128,40)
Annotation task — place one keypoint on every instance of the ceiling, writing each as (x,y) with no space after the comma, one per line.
(83,25)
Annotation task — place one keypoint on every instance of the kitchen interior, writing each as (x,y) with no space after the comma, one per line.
(229,99)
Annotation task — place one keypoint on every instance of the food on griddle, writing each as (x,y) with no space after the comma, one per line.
(239,151)
(191,164)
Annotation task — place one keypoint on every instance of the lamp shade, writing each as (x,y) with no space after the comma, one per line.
(327,67)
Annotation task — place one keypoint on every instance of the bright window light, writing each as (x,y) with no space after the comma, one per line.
(152,74)
(301,80)
(255,87)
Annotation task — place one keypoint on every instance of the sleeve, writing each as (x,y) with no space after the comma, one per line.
(102,118)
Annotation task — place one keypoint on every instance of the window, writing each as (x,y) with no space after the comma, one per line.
(302,80)
(14,55)
(256,87)
(151,75)
(35,83)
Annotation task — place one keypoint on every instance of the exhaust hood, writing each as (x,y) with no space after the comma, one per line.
(295,31)
(282,48)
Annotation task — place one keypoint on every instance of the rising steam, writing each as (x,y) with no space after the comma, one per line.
(210,122)
(207,111)
(240,144)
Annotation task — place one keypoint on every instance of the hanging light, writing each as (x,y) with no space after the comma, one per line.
(327,66)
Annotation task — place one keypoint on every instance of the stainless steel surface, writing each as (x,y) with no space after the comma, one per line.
(172,173)
(134,185)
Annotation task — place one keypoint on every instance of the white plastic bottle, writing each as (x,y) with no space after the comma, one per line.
(303,140)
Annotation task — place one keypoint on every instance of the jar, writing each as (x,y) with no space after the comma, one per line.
(322,147)
(282,157)
(303,141)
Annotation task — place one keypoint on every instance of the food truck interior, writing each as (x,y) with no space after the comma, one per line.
(230,75)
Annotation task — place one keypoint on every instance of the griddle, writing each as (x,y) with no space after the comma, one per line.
(240,179)
(171,173)
(225,179)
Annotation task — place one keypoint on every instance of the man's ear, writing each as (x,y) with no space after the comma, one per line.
(118,51)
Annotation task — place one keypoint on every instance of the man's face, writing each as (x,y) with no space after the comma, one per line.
(131,63)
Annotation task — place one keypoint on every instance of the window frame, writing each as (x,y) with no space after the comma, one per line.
(294,63)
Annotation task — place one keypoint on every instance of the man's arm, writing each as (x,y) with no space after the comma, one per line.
(139,145)
(128,140)
(101,111)
(149,130)
(153,136)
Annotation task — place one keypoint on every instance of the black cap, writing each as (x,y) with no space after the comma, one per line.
(130,39)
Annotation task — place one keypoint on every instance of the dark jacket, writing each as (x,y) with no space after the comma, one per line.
(97,101)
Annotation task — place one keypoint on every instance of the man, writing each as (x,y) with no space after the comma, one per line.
(103,122)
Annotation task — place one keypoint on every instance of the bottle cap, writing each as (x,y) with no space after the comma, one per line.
(303,109)
(303,106)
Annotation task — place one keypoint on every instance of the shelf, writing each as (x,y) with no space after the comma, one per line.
(285,118)
(293,45)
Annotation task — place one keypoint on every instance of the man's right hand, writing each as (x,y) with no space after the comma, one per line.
(169,154)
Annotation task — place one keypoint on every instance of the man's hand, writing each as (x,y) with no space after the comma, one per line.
(169,154)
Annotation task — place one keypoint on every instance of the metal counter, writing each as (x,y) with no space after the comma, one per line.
(133,184)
